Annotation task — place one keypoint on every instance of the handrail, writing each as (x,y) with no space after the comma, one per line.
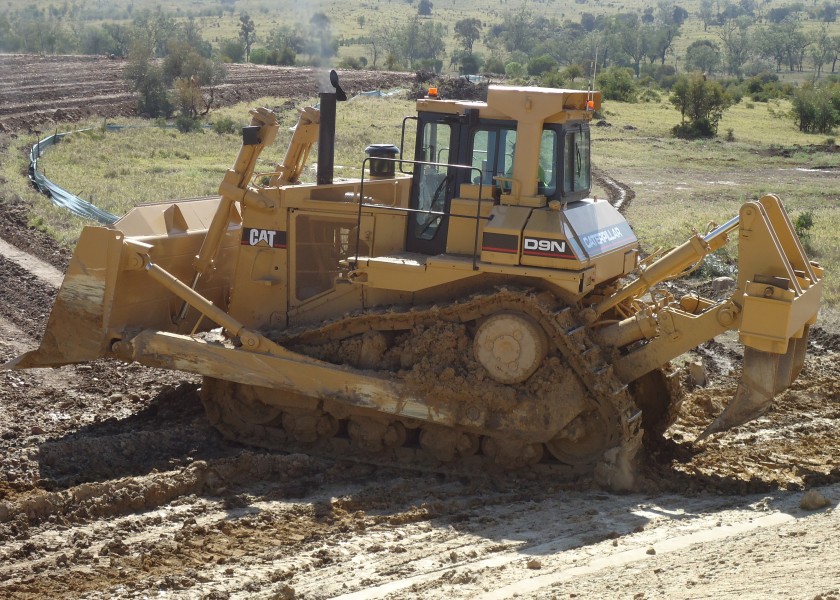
(406,210)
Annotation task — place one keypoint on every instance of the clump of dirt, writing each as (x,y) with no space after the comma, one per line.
(448,88)
(822,342)
(791,447)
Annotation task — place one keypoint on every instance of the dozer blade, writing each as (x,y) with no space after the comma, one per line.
(765,374)
(75,330)
(102,297)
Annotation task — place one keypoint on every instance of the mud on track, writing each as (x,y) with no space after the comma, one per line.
(113,485)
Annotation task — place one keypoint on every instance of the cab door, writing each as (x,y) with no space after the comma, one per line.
(434,184)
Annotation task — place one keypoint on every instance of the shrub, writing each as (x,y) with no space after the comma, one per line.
(259,56)
(350,62)
(701,104)
(816,109)
(718,264)
(802,226)
(187,124)
(803,223)
(232,50)
(541,65)
(225,125)
(514,70)
(553,79)
(649,95)
(495,66)
(616,83)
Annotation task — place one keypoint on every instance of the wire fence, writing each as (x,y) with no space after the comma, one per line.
(59,196)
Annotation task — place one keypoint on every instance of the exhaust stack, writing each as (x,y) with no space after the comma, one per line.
(326,133)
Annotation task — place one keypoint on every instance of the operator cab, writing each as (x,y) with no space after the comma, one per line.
(470,143)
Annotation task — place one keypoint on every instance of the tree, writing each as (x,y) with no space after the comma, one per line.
(701,104)
(147,80)
(195,77)
(662,41)
(634,38)
(679,15)
(588,22)
(424,8)
(468,63)
(468,31)
(284,44)
(835,51)
(247,33)
(375,44)
(703,55)
(157,28)
(192,37)
(707,13)
(736,44)
(361,21)
(770,43)
(572,72)
(821,50)
(779,14)
(516,31)
(320,42)
(416,42)
(829,12)
(541,65)
(796,43)
(97,40)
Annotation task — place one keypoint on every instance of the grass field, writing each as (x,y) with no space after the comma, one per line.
(679,184)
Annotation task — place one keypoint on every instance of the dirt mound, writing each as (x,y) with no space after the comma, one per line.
(793,446)
(448,88)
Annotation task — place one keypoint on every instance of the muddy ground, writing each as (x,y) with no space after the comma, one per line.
(113,485)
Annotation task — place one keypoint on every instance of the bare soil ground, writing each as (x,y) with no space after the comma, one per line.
(113,484)
(37,91)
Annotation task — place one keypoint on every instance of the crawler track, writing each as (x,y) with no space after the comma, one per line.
(574,354)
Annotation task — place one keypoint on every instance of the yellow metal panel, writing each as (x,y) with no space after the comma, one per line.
(501,240)
(768,323)
(461,236)
(415,272)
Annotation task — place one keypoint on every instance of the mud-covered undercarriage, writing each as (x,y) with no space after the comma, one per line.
(562,409)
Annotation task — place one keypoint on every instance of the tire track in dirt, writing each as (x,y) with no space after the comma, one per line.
(45,272)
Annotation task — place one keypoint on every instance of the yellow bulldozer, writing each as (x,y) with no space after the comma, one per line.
(471,308)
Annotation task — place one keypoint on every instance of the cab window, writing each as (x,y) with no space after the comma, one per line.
(576,172)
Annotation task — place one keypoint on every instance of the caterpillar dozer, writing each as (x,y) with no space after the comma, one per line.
(471,308)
